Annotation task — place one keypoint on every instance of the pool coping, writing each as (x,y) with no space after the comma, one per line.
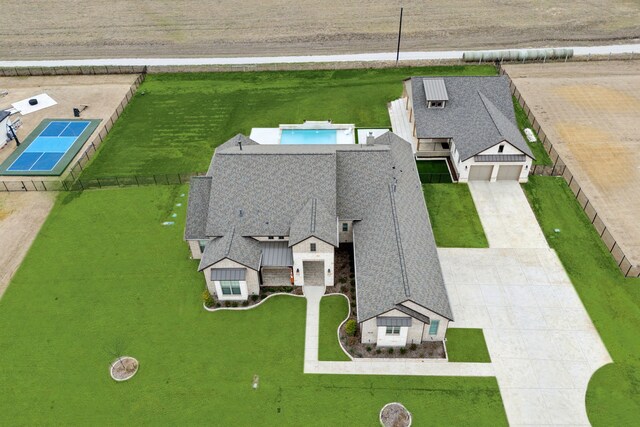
(64,161)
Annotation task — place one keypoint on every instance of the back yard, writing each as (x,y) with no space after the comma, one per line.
(613,301)
(175,121)
(105,274)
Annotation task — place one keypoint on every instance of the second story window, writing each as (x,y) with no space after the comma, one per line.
(345,226)
(312,247)
(500,148)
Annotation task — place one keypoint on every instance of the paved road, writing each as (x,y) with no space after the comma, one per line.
(389,56)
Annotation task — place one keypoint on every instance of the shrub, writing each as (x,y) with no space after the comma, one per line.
(353,304)
(344,289)
(390,351)
(227,304)
(353,282)
(403,350)
(208,299)
(378,351)
(255,298)
(218,305)
(368,349)
(342,280)
(413,347)
(350,327)
(245,303)
(234,304)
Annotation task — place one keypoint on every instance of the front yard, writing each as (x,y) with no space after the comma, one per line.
(453,216)
(612,301)
(105,273)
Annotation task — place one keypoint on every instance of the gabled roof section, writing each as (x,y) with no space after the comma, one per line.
(197,208)
(479,114)
(239,141)
(243,250)
(507,129)
(4,114)
(313,220)
(435,90)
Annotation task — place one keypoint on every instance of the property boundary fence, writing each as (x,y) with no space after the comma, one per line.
(81,184)
(559,168)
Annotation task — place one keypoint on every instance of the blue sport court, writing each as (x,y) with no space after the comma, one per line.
(51,149)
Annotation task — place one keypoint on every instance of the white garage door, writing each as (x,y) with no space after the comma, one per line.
(480,173)
(509,173)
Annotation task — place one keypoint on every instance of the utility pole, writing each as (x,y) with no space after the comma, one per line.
(399,37)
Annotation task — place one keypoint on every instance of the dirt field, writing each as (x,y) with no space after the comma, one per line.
(21,216)
(102,94)
(156,28)
(590,112)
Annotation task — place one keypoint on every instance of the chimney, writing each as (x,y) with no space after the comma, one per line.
(370,138)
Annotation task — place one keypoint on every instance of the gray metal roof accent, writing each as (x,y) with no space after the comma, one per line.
(393,321)
(479,114)
(419,316)
(3,115)
(276,254)
(197,208)
(243,250)
(314,220)
(435,90)
(228,273)
(500,158)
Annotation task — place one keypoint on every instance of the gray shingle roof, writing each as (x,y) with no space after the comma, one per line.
(396,256)
(478,115)
(4,114)
(243,250)
(197,207)
(314,220)
(273,190)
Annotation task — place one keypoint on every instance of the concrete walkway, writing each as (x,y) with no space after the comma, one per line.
(506,216)
(252,60)
(542,342)
(313,295)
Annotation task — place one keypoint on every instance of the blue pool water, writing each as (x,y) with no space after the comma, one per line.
(309,136)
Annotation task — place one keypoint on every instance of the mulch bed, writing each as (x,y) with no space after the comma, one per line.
(395,415)
(265,291)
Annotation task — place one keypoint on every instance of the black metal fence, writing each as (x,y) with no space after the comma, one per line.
(435,178)
(86,184)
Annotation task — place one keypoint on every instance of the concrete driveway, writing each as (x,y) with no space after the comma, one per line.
(542,343)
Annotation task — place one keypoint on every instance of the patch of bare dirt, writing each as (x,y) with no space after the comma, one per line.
(183,28)
(395,415)
(21,216)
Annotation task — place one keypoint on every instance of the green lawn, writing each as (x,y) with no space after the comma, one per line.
(541,155)
(174,121)
(104,271)
(433,171)
(453,216)
(467,345)
(613,301)
(333,310)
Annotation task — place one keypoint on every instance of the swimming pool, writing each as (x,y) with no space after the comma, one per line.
(309,136)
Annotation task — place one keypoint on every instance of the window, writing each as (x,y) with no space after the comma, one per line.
(203,244)
(345,226)
(270,237)
(313,247)
(435,104)
(445,145)
(281,237)
(230,287)
(393,330)
(433,327)
(500,148)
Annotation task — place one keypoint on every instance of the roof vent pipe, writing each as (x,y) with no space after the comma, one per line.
(240,144)
(370,138)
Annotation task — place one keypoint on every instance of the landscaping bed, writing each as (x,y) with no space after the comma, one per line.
(211,303)
(425,350)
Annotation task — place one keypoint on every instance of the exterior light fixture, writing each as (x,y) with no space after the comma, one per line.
(329,270)
(297,271)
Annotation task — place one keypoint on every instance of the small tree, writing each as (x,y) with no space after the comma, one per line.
(350,327)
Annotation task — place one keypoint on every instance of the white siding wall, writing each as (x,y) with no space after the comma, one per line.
(463,168)
(194,246)
(302,252)
(251,285)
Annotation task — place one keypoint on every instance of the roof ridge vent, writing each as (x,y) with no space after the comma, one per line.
(228,250)
(396,226)
(313,215)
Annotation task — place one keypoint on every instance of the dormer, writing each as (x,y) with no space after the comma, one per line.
(435,93)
